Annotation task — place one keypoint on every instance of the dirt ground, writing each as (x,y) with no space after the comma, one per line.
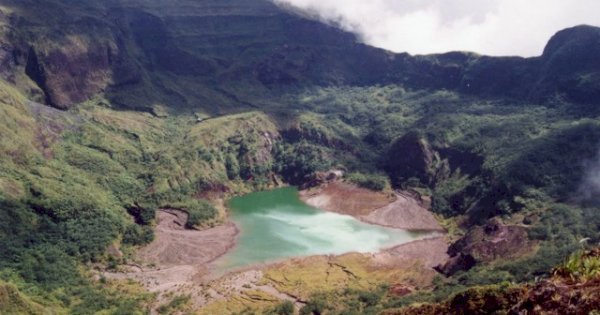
(395,210)
(429,252)
(404,213)
(175,246)
(408,265)
(178,261)
(345,198)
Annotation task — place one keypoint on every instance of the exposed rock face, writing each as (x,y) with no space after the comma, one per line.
(400,290)
(411,156)
(7,58)
(457,263)
(72,74)
(414,161)
(553,298)
(322,178)
(212,51)
(212,191)
(485,244)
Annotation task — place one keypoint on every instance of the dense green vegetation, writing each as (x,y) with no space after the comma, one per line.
(198,212)
(109,171)
(370,181)
(284,308)
(75,183)
(487,158)
(483,137)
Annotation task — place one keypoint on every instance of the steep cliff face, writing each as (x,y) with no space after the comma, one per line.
(483,136)
(221,55)
(411,157)
(177,53)
(67,50)
(485,244)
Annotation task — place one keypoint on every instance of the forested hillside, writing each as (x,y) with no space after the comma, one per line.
(112,109)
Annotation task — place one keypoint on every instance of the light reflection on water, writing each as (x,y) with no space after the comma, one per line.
(275,225)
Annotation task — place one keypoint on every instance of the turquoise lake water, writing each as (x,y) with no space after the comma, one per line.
(276,224)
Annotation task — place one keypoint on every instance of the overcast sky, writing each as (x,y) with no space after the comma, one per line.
(491,27)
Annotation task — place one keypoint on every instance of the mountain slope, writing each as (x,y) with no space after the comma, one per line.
(221,55)
(183,103)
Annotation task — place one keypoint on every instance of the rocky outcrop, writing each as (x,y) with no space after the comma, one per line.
(485,244)
(565,292)
(400,290)
(73,73)
(212,191)
(412,157)
(322,178)
(550,297)
(316,134)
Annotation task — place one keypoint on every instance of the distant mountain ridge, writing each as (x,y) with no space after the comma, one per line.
(220,56)
(182,104)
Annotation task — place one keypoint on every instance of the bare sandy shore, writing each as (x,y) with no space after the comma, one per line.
(345,198)
(404,213)
(175,246)
(399,211)
(179,261)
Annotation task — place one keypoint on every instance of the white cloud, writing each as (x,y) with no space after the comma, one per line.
(492,27)
(589,191)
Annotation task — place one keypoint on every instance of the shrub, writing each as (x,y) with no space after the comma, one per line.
(175,304)
(199,211)
(296,162)
(142,214)
(284,308)
(369,298)
(138,235)
(232,166)
(370,181)
(453,196)
(315,306)
(581,266)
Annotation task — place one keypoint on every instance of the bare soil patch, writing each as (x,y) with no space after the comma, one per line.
(397,210)
(429,252)
(404,213)
(175,246)
(345,198)
(178,261)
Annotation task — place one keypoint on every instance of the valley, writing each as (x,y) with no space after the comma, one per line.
(221,269)
(132,132)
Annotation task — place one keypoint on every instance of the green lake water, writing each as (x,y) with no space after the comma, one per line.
(276,224)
